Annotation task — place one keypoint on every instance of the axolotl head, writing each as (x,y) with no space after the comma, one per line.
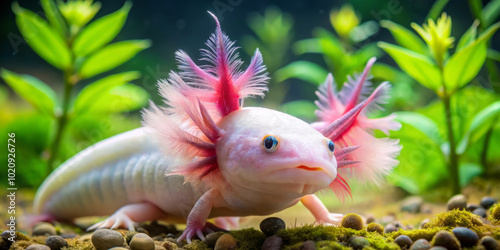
(270,151)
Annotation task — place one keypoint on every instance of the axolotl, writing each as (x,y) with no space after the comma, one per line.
(205,156)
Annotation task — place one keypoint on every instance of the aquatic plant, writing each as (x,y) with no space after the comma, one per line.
(447,75)
(80,50)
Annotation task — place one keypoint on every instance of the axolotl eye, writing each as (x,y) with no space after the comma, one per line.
(330,145)
(270,143)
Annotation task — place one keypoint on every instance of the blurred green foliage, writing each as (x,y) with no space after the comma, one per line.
(81,50)
(438,139)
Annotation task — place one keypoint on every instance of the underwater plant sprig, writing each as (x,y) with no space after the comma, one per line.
(443,74)
(81,50)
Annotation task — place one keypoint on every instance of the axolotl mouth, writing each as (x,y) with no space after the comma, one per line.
(309,168)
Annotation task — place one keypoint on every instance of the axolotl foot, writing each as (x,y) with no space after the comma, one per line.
(198,230)
(332,219)
(129,214)
(114,221)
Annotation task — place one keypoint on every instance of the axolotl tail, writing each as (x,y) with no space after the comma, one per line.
(121,170)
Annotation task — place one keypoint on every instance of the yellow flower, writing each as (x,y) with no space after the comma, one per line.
(344,20)
(79,12)
(437,36)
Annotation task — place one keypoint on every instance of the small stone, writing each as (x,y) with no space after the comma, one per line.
(212,238)
(424,221)
(467,237)
(489,243)
(159,248)
(421,244)
(438,248)
(487,202)
(445,239)
(226,242)
(118,248)
(56,242)
(142,230)
(6,234)
(390,228)
(37,247)
(458,201)
(353,221)
(374,227)
(308,245)
(480,211)
(270,226)
(358,242)
(398,225)
(129,235)
(370,219)
(471,207)
(272,243)
(103,239)
(142,241)
(412,204)
(44,229)
(170,245)
(403,241)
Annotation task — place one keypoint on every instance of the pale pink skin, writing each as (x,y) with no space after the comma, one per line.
(203,156)
(252,181)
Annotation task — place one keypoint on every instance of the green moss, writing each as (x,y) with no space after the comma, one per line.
(19,245)
(196,245)
(416,234)
(330,245)
(377,241)
(375,227)
(249,238)
(495,214)
(353,221)
(75,244)
(455,218)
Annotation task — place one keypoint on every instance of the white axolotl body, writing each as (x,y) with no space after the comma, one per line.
(205,156)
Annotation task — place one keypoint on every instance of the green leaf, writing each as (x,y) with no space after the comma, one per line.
(311,45)
(491,12)
(303,70)
(302,109)
(468,37)
(101,31)
(33,90)
(436,9)
(405,37)
(87,96)
(42,38)
(111,56)
(54,16)
(119,99)
(493,54)
(422,123)
(464,65)
(408,184)
(467,172)
(419,67)
(482,119)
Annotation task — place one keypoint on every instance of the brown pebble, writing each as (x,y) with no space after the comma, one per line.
(142,241)
(159,248)
(446,239)
(44,229)
(37,247)
(390,228)
(308,245)
(103,239)
(56,242)
(458,201)
(272,243)
(129,235)
(421,244)
(169,245)
(226,242)
(212,238)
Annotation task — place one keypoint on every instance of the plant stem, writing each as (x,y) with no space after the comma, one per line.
(453,157)
(486,145)
(453,160)
(62,119)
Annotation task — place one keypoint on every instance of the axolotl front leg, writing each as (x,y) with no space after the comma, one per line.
(319,210)
(127,215)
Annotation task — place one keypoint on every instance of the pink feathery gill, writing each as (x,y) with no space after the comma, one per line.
(203,155)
